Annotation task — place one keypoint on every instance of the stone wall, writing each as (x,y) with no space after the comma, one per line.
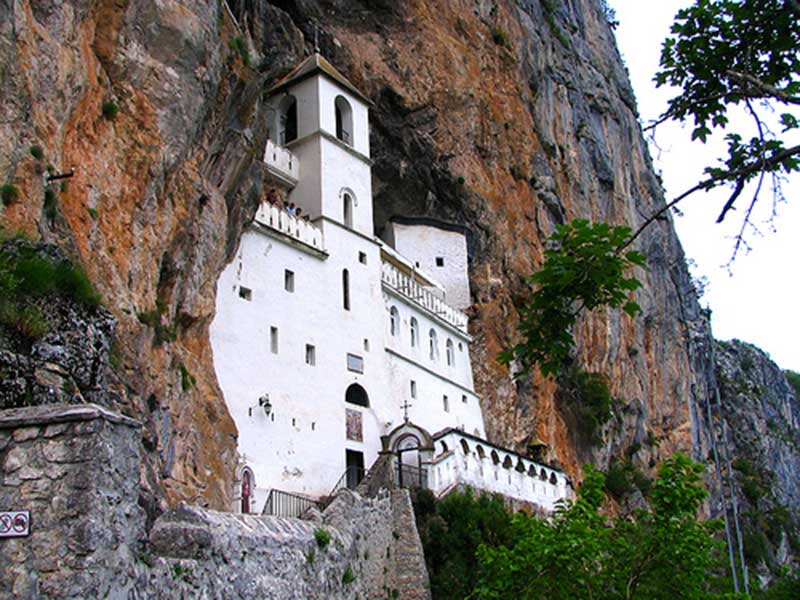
(76,468)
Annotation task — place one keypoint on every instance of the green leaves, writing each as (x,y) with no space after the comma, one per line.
(583,268)
(661,554)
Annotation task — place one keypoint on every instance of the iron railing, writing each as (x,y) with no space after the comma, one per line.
(284,504)
(409,476)
(349,479)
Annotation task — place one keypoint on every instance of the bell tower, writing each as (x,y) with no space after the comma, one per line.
(323,120)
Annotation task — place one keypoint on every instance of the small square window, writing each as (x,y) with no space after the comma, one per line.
(355,363)
(413,389)
(273,339)
(440,261)
(460,347)
(446,403)
(288,280)
(362,258)
(311,355)
(366,345)
(245,293)
(464,399)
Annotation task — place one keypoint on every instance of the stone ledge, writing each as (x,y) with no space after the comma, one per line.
(13,418)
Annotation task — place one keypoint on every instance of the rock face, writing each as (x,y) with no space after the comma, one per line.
(762,416)
(506,117)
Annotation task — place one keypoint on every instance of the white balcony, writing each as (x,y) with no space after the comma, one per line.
(278,219)
(282,164)
(422,296)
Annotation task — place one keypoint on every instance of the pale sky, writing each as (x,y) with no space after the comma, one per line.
(758,303)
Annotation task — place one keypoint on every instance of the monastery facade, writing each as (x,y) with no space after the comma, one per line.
(331,345)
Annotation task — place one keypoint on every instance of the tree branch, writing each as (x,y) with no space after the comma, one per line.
(765,88)
(708,183)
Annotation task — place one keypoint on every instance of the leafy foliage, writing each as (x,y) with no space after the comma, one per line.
(794,380)
(9,194)
(586,397)
(322,537)
(727,53)
(585,268)
(239,45)
(110,110)
(664,553)
(37,152)
(451,531)
(27,277)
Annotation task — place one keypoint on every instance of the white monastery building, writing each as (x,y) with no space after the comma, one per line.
(332,345)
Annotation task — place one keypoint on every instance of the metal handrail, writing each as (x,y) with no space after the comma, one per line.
(286,504)
(409,476)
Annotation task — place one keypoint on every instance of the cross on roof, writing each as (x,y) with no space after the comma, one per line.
(405,406)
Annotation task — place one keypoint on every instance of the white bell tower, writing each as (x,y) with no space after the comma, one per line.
(321,118)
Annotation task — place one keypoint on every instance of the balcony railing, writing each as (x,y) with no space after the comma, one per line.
(279,219)
(405,285)
(282,163)
(284,504)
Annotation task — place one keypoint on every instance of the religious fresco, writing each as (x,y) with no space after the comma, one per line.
(355,429)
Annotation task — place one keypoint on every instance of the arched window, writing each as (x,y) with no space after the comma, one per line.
(433,344)
(346,289)
(450,352)
(414,332)
(553,478)
(356,394)
(531,471)
(481,453)
(394,321)
(444,447)
(464,447)
(287,120)
(344,120)
(347,210)
(507,462)
(495,458)
(247,489)
(543,475)
(520,468)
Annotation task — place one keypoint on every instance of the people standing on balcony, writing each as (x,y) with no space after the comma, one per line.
(292,209)
(272,197)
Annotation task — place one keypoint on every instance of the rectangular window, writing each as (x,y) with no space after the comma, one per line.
(446,403)
(362,258)
(355,363)
(440,261)
(288,280)
(311,355)
(245,293)
(413,389)
(273,339)
(366,345)
(464,399)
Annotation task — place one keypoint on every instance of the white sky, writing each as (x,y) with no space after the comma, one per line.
(758,303)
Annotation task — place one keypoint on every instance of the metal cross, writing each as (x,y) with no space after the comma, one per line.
(405,406)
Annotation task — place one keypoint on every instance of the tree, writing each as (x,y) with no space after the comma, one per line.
(663,553)
(737,53)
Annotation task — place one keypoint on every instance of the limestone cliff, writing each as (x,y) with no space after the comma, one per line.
(506,117)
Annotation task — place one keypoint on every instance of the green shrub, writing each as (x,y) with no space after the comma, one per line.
(451,531)
(239,45)
(37,152)
(92,213)
(110,110)
(499,36)
(163,333)
(9,194)
(187,379)
(794,381)
(28,277)
(586,397)
(322,537)
(348,577)
(49,204)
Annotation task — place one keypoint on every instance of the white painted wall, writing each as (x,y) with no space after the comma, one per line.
(452,466)
(328,91)
(422,244)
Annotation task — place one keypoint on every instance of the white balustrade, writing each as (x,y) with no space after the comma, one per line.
(279,219)
(405,285)
(282,162)
(484,470)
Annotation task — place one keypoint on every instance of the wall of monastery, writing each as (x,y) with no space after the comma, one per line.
(76,468)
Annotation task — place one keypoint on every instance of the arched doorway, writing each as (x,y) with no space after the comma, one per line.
(247,489)
(409,463)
